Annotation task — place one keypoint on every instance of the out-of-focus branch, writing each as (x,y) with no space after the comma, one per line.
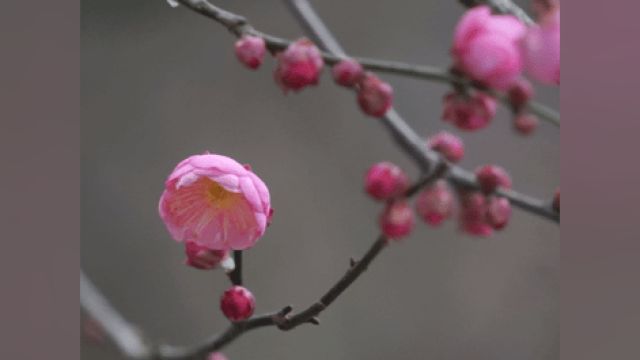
(406,137)
(503,7)
(238,25)
(126,336)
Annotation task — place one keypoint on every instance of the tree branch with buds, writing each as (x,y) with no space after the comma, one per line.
(431,163)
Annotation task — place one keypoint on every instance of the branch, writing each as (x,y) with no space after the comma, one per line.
(239,26)
(407,138)
(235,276)
(502,7)
(131,342)
(126,337)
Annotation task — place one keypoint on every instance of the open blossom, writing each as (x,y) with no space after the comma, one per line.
(486,47)
(215,202)
(469,112)
(542,48)
(299,66)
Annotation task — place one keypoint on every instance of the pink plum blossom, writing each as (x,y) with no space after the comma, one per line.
(397,220)
(237,303)
(473,214)
(215,202)
(375,96)
(347,72)
(542,48)
(486,47)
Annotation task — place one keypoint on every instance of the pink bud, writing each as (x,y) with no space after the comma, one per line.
(473,214)
(491,176)
(299,66)
(347,72)
(525,124)
(435,203)
(520,93)
(556,200)
(469,113)
(250,51)
(498,212)
(385,180)
(375,96)
(486,47)
(237,303)
(203,258)
(542,48)
(215,202)
(447,144)
(217,356)
(397,220)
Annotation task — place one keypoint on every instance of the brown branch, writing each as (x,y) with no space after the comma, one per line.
(132,343)
(407,138)
(239,26)
(235,276)
(502,7)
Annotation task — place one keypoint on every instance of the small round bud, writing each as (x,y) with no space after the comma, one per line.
(397,220)
(250,51)
(299,66)
(375,96)
(204,258)
(347,72)
(217,356)
(525,124)
(519,94)
(491,177)
(556,200)
(385,180)
(237,303)
(435,203)
(447,144)
(473,214)
(498,212)
(469,112)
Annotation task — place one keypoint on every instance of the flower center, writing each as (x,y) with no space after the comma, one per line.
(219,196)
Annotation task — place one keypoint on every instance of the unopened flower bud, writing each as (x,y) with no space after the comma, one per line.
(473,214)
(447,144)
(498,212)
(250,51)
(204,258)
(347,72)
(299,66)
(375,96)
(520,93)
(435,203)
(397,220)
(525,124)
(237,303)
(491,177)
(469,112)
(385,180)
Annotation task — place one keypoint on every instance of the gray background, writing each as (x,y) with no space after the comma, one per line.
(160,84)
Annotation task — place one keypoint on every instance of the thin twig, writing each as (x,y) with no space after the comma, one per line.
(235,276)
(239,26)
(407,138)
(131,342)
(502,7)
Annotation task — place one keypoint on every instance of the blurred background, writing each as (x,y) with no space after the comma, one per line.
(160,84)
